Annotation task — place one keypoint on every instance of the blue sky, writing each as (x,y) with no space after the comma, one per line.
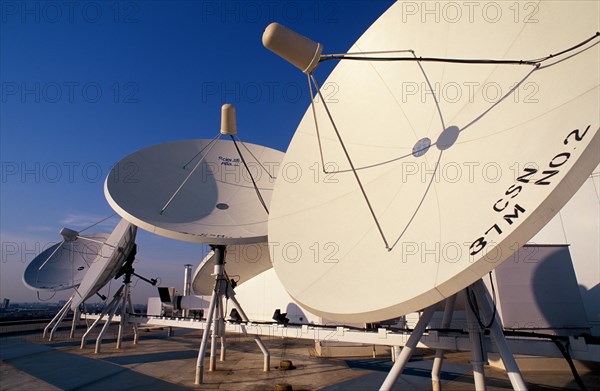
(85,83)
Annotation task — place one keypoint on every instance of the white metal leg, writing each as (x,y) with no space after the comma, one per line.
(105,327)
(123,321)
(259,342)
(512,369)
(439,353)
(57,319)
(222,329)
(215,331)
(105,310)
(74,323)
(202,351)
(135,325)
(477,358)
(408,349)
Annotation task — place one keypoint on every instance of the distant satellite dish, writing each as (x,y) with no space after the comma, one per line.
(63,265)
(428,166)
(112,256)
(197,190)
(242,262)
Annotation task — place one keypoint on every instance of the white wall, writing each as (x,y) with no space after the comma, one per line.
(578,225)
(264,293)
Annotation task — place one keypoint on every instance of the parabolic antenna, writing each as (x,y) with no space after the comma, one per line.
(63,265)
(205,191)
(439,162)
(112,256)
(242,262)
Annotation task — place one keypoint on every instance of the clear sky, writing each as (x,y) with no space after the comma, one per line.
(84,83)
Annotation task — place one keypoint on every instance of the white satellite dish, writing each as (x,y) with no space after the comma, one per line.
(106,265)
(197,190)
(63,265)
(242,262)
(425,192)
(204,191)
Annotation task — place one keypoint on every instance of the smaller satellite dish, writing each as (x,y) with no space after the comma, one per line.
(203,191)
(113,254)
(242,262)
(63,265)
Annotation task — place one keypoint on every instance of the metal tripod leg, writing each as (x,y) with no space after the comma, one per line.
(63,312)
(222,328)
(259,342)
(215,318)
(477,352)
(57,318)
(215,329)
(202,351)
(124,320)
(408,349)
(512,369)
(439,353)
(105,311)
(74,323)
(135,325)
(112,312)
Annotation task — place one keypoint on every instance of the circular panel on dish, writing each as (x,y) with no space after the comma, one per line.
(242,262)
(66,268)
(217,205)
(461,163)
(113,254)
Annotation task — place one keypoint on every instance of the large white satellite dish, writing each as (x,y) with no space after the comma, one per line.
(106,265)
(242,262)
(63,265)
(197,190)
(438,165)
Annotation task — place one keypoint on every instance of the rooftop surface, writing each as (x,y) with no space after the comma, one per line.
(159,362)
